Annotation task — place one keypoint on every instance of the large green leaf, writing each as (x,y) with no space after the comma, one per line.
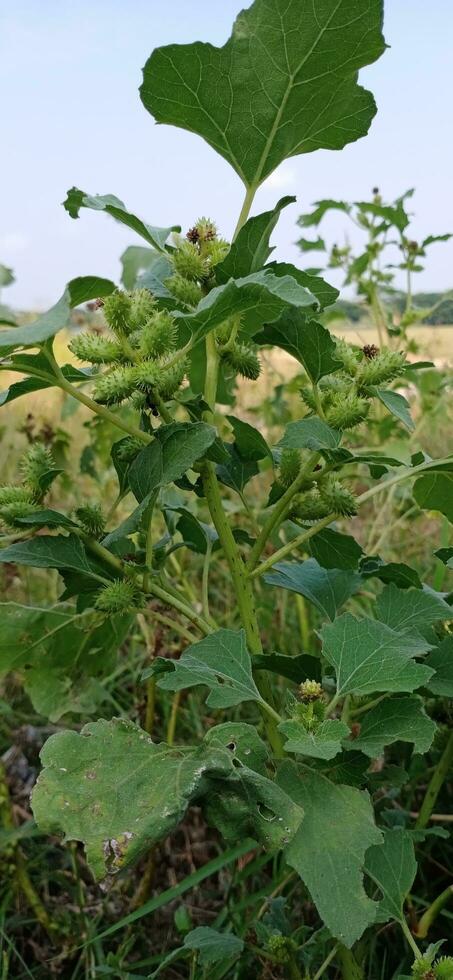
(48,324)
(324,292)
(77,199)
(251,805)
(220,661)
(174,450)
(434,491)
(369,656)
(251,249)
(284,83)
(243,742)
(328,850)
(311,433)
(213,946)
(46,551)
(392,867)
(114,789)
(322,743)
(250,444)
(306,340)
(411,610)
(399,719)
(327,588)
(397,405)
(259,297)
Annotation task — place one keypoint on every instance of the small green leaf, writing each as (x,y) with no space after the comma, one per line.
(77,199)
(328,589)
(243,742)
(297,668)
(284,83)
(46,518)
(251,249)
(213,946)
(328,850)
(237,471)
(306,340)
(441,660)
(174,450)
(399,719)
(392,867)
(310,433)
(322,743)
(220,661)
(446,556)
(250,444)
(48,324)
(320,209)
(312,245)
(397,573)
(397,405)
(434,491)
(46,551)
(114,789)
(369,656)
(324,292)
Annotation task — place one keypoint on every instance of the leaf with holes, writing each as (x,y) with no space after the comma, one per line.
(119,793)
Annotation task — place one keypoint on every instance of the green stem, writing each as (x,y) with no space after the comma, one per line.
(322,969)
(245,210)
(101,410)
(410,939)
(280,510)
(435,785)
(182,607)
(205,581)
(429,917)
(171,728)
(306,535)
(350,969)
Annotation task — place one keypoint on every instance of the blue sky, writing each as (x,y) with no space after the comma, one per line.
(69,72)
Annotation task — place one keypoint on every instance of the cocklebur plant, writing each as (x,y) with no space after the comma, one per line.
(173,344)
(388,248)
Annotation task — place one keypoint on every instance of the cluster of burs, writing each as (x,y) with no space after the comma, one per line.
(343,401)
(143,349)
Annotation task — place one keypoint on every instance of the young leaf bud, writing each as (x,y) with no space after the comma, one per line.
(121,596)
(96,349)
(186,292)
(92,520)
(380,369)
(338,499)
(281,947)
(117,311)
(289,468)
(158,335)
(310,691)
(346,410)
(142,307)
(243,360)
(115,386)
